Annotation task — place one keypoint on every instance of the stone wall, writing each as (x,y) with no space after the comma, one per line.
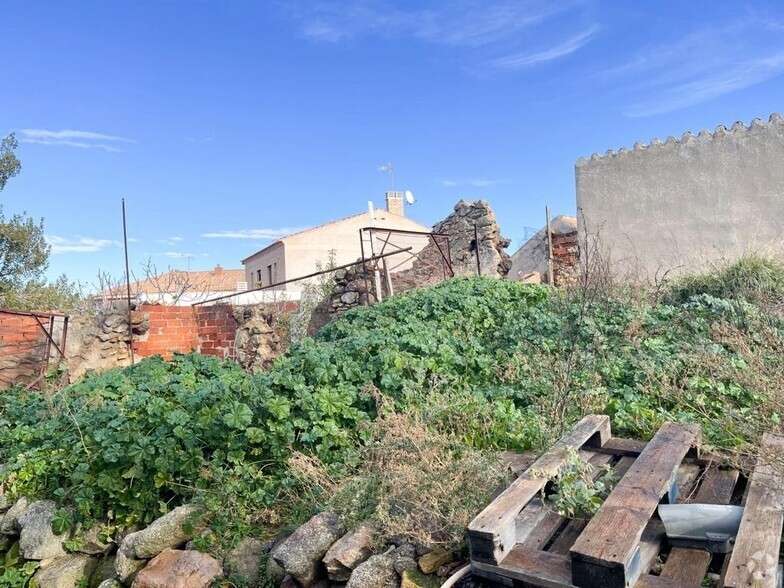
(459,226)
(258,340)
(684,203)
(100,342)
(356,285)
(566,259)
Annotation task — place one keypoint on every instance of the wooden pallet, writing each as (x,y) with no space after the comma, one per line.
(519,541)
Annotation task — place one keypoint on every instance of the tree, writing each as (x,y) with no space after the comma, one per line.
(24,254)
(9,164)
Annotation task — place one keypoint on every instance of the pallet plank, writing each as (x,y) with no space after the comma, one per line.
(532,566)
(608,552)
(717,486)
(492,534)
(622,447)
(754,560)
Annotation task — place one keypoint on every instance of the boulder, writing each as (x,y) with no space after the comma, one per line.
(301,554)
(36,539)
(348,552)
(171,530)
(10,524)
(430,562)
(413,578)
(375,572)
(174,568)
(102,572)
(65,572)
(245,560)
(126,564)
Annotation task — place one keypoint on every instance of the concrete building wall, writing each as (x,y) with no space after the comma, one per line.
(257,266)
(684,203)
(301,253)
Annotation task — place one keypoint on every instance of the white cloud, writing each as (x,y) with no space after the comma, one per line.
(170,240)
(72,138)
(265,234)
(176,255)
(78,244)
(482,30)
(526,59)
(700,65)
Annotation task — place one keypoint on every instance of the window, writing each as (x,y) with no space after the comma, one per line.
(258,276)
(269,274)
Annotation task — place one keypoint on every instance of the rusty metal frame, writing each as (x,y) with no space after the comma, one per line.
(446,256)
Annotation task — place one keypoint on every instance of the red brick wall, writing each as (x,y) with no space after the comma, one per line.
(208,329)
(566,259)
(172,328)
(216,330)
(22,348)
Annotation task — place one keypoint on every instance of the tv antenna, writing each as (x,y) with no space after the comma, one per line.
(409,197)
(389,169)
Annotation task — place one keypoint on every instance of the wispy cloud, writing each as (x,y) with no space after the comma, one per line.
(177,255)
(170,241)
(472,183)
(483,30)
(263,234)
(700,65)
(72,138)
(78,244)
(528,59)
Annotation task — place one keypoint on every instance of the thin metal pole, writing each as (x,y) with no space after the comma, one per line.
(476,244)
(549,248)
(128,286)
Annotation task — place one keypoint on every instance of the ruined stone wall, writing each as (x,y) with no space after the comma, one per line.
(259,341)
(356,285)
(683,203)
(459,226)
(100,342)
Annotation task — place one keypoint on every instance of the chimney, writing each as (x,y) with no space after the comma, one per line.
(395,203)
(218,270)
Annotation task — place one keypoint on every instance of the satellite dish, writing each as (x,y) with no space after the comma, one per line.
(409,197)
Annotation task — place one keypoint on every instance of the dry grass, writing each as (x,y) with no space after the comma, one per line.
(412,482)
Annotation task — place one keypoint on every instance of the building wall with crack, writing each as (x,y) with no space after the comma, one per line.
(682,204)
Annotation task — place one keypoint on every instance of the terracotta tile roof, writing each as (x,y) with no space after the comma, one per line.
(214,280)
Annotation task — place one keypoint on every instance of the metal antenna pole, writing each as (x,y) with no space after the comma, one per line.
(128,285)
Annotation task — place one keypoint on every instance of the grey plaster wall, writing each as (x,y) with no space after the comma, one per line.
(685,204)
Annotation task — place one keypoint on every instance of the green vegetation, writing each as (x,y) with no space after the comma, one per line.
(482,364)
(24,253)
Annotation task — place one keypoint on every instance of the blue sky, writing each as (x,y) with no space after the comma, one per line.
(228,123)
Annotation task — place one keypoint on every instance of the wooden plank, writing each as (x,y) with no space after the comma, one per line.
(755,558)
(492,533)
(536,524)
(622,447)
(532,566)
(608,552)
(650,581)
(689,566)
(717,486)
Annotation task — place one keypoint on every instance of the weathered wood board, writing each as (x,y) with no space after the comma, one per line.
(755,558)
(492,534)
(608,553)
